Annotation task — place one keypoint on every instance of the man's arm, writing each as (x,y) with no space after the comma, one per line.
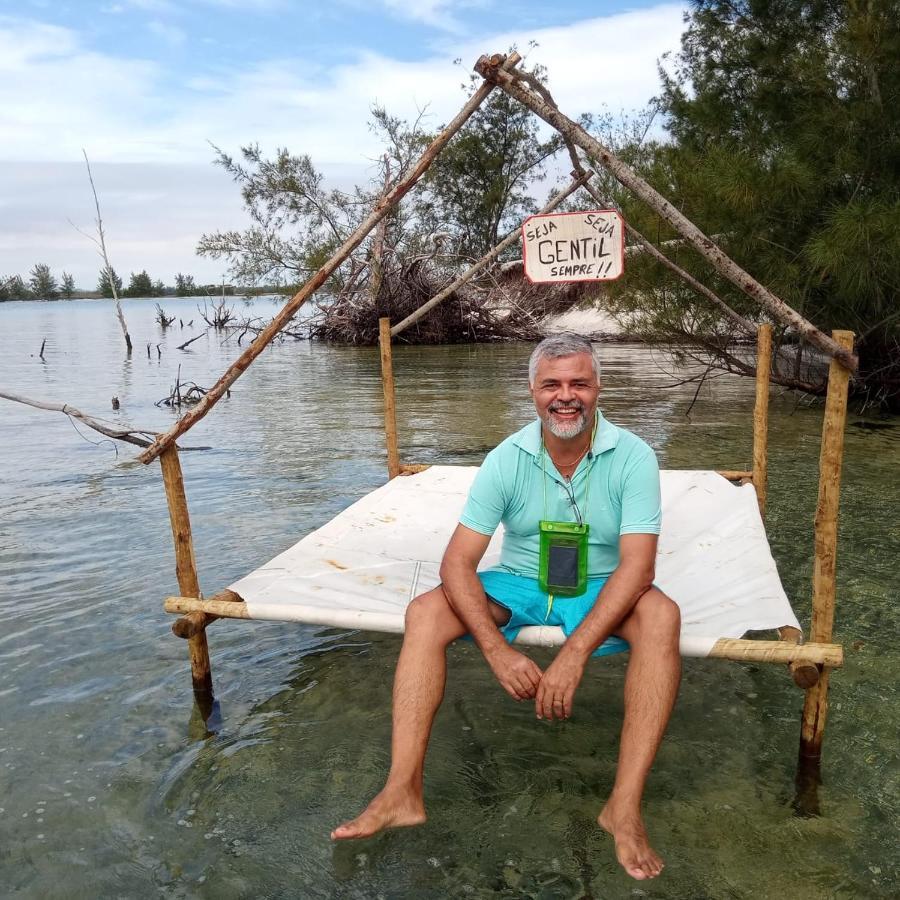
(518,675)
(632,578)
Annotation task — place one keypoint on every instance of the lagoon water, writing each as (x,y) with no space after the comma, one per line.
(111,785)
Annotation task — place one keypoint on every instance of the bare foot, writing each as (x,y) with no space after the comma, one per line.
(389,809)
(633,850)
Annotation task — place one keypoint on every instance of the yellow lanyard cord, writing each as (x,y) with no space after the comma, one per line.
(570,491)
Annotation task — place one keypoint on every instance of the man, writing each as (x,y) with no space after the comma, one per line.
(571,466)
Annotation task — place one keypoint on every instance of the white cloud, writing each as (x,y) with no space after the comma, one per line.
(437,13)
(57,96)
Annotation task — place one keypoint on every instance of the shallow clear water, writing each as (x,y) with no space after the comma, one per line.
(110,784)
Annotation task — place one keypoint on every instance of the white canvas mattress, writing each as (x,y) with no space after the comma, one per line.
(362,568)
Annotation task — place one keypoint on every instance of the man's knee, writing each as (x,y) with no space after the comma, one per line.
(430,615)
(657,615)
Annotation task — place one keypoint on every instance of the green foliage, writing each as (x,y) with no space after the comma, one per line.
(478,189)
(296,222)
(184,285)
(475,191)
(67,288)
(139,285)
(785,119)
(14,288)
(42,284)
(108,279)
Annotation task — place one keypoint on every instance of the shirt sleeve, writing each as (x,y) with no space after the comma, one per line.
(641,501)
(486,503)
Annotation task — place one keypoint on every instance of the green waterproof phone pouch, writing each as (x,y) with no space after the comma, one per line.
(562,569)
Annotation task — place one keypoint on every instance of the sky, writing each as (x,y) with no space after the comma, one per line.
(146,86)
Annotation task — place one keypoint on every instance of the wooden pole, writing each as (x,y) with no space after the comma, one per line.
(804,672)
(735,474)
(644,246)
(489,257)
(741,649)
(193,623)
(761,416)
(185,565)
(542,104)
(815,707)
(390,409)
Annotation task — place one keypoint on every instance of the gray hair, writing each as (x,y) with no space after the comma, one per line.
(559,345)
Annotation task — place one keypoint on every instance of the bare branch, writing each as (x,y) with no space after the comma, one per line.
(140,437)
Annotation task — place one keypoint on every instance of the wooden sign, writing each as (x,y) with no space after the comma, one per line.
(574,246)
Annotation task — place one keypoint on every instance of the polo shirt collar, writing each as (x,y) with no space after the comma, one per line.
(529,438)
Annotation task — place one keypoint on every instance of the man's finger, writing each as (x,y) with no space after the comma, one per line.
(512,689)
(539,701)
(547,703)
(533,674)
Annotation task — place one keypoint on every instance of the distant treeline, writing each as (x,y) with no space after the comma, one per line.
(42,284)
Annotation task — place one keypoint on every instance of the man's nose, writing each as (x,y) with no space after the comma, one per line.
(566,392)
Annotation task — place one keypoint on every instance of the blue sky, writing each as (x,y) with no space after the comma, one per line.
(144,85)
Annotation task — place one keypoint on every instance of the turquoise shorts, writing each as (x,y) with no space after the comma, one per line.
(528,605)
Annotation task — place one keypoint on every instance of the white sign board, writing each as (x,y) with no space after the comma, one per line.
(574,246)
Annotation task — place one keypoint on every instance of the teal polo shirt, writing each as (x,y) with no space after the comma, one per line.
(616,487)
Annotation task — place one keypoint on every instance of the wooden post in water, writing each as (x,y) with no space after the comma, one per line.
(761,416)
(390,409)
(185,565)
(815,707)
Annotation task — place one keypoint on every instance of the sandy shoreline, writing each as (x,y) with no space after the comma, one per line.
(583,321)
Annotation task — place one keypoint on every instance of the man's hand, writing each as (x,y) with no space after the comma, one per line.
(556,691)
(518,675)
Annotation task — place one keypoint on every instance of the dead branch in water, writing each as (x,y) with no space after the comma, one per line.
(256,326)
(186,344)
(100,241)
(220,315)
(140,437)
(184,393)
(161,317)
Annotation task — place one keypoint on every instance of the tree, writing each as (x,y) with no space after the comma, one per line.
(139,285)
(42,284)
(785,119)
(479,187)
(297,223)
(14,288)
(107,279)
(184,285)
(68,285)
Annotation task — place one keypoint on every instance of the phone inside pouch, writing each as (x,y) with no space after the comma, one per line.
(563,558)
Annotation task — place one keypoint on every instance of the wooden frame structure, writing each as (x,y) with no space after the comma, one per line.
(809,662)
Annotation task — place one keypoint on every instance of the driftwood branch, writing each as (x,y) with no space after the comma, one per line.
(186,344)
(140,437)
(515,235)
(400,189)
(492,70)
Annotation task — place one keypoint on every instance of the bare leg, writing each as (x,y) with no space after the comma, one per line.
(651,685)
(419,683)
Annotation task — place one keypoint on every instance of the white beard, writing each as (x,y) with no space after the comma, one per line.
(566,430)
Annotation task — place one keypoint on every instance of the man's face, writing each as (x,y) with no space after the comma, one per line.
(565,392)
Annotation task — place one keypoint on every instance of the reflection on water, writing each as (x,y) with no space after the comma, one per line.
(110,785)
